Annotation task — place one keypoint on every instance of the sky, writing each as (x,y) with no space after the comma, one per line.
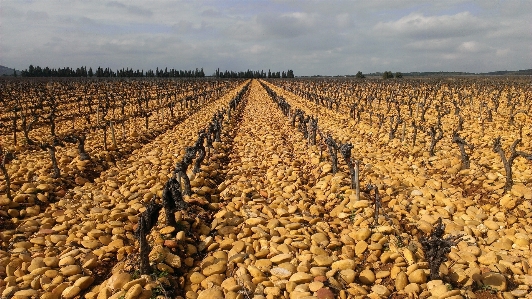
(310,37)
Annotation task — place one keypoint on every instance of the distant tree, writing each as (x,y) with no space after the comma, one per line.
(387,75)
(398,75)
(360,75)
(14,72)
(290,74)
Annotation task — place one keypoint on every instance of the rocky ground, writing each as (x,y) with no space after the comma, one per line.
(269,219)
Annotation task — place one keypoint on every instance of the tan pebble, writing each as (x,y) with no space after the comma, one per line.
(300,295)
(239,258)
(116,244)
(70,270)
(49,295)
(519,293)
(139,281)
(450,294)
(67,261)
(385,229)
(215,269)
(409,256)
(362,234)
(343,264)
(118,295)
(173,260)
(281,258)
(212,293)
(320,238)
(323,260)
(418,276)
(26,293)
(9,291)
(401,280)
(315,286)
(494,280)
(460,276)
(51,261)
(146,294)
(380,290)
(91,263)
(366,277)
(134,292)
(191,295)
(301,277)
(412,288)
(439,290)
(104,293)
(272,291)
(70,292)
(180,236)
(255,272)
(91,244)
(434,283)
(58,290)
(118,280)
(361,247)
(382,274)
(158,253)
(263,264)
(348,275)
(84,282)
(167,230)
(231,285)
(489,258)
(57,238)
(197,277)
(255,221)
(281,272)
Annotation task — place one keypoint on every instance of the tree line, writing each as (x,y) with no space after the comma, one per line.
(253,74)
(37,71)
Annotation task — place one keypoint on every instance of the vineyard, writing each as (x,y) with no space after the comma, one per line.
(271,188)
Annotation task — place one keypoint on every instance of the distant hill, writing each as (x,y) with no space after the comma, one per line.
(519,72)
(5,71)
(526,72)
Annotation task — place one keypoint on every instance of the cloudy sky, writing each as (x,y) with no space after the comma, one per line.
(310,37)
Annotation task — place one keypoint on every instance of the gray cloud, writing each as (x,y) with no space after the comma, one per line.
(310,37)
(132,9)
(416,25)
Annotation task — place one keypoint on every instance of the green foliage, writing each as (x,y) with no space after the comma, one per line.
(352,216)
(449,287)
(360,75)
(488,288)
(399,242)
(158,274)
(157,291)
(398,75)
(387,75)
(135,274)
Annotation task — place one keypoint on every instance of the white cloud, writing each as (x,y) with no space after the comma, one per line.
(470,47)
